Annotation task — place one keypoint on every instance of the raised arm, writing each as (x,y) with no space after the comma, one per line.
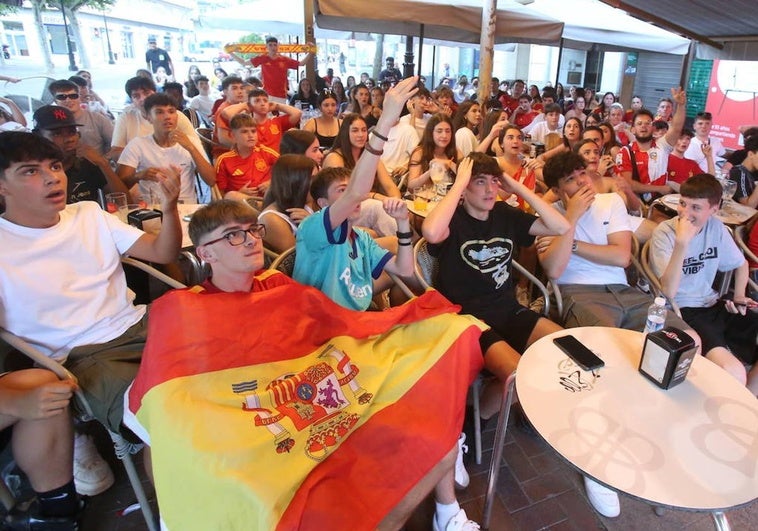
(204,168)
(436,226)
(362,178)
(550,223)
(677,121)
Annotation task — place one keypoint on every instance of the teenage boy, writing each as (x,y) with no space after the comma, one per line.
(746,174)
(133,122)
(246,168)
(203,102)
(644,162)
(270,128)
(87,170)
(35,404)
(474,243)
(95,128)
(82,314)
(686,253)
(341,261)
(166,151)
(233,90)
(539,129)
(274,68)
(524,115)
(702,126)
(681,167)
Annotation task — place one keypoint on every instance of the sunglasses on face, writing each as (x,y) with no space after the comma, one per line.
(63,97)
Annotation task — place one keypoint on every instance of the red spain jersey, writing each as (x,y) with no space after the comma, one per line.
(233,172)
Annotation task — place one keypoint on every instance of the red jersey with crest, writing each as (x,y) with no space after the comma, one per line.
(270,131)
(681,168)
(233,171)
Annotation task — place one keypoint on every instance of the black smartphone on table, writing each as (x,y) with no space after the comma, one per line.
(581,355)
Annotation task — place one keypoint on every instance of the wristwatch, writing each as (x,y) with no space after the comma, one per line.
(574,246)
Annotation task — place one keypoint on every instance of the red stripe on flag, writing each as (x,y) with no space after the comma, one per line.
(378,464)
(240,329)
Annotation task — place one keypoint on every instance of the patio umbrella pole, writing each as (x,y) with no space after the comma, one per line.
(487,47)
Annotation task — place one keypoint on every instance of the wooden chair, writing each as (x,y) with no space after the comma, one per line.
(652,278)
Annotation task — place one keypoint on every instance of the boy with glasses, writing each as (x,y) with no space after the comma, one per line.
(95,128)
(228,238)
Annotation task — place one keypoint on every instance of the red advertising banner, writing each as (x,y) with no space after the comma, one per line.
(732,99)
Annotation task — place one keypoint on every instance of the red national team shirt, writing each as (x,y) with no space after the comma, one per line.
(233,172)
(264,279)
(274,72)
(271,130)
(509,103)
(221,123)
(680,169)
(525,118)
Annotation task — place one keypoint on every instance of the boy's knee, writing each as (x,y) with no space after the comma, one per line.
(28,378)
(727,361)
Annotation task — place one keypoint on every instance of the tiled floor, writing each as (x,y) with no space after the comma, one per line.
(536,490)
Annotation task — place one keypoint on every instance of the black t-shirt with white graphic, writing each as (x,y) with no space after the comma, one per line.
(475,259)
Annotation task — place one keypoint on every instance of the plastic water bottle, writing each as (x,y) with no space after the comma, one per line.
(656,315)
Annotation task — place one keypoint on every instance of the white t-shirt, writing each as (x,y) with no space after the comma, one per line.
(375,218)
(203,105)
(606,215)
(540,119)
(130,124)
(64,286)
(96,130)
(417,123)
(541,130)
(465,141)
(401,141)
(143,153)
(695,152)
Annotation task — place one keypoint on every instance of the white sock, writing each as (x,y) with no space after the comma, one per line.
(445,512)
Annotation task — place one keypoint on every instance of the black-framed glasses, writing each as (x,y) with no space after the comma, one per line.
(239,236)
(63,97)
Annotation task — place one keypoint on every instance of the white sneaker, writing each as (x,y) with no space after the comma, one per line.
(92,475)
(604,500)
(461,475)
(459,522)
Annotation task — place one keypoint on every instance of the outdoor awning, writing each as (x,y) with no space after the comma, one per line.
(461,22)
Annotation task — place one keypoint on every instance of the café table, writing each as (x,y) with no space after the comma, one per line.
(692,447)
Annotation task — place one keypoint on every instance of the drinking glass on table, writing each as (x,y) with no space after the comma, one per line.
(728,188)
(116,203)
(419,201)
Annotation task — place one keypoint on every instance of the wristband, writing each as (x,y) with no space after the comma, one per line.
(378,135)
(405,244)
(373,151)
(408,234)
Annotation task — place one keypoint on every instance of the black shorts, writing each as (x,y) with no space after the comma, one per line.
(719,328)
(509,322)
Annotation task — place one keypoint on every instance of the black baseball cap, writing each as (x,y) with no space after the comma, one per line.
(54,117)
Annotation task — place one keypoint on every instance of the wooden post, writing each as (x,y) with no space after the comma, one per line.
(309,38)
(487,47)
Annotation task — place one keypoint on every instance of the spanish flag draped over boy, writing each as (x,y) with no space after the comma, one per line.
(282,410)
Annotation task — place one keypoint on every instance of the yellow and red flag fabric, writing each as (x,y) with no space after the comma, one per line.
(282,410)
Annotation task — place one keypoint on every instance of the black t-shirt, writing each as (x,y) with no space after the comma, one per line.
(392,75)
(156,58)
(475,259)
(84,180)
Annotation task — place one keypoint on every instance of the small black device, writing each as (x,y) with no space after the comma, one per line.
(581,355)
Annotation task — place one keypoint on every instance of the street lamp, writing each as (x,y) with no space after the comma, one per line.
(71,61)
(108,40)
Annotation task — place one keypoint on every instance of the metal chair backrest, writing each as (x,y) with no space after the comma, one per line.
(652,278)
(285,262)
